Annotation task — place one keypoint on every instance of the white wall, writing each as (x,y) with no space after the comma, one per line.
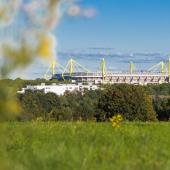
(59,89)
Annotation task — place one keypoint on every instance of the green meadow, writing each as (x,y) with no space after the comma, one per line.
(84,146)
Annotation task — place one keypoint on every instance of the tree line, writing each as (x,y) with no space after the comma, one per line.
(141,103)
(132,102)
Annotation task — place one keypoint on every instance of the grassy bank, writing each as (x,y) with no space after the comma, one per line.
(52,145)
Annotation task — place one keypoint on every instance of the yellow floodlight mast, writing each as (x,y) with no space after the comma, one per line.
(132,67)
(51,71)
(103,68)
(53,68)
(169,69)
(71,67)
(161,65)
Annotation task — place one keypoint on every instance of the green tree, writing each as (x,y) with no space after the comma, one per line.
(162,108)
(131,101)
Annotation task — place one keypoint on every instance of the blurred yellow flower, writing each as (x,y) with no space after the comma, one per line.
(46,47)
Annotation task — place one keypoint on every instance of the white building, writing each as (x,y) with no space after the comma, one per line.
(59,89)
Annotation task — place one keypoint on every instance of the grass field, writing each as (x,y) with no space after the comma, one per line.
(85,146)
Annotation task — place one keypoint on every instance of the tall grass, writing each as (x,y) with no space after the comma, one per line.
(86,146)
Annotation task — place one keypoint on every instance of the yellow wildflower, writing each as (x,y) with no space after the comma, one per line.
(116,120)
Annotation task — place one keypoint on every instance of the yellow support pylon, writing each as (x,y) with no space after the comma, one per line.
(103,68)
(169,68)
(162,67)
(71,67)
(132,67)
(53,67)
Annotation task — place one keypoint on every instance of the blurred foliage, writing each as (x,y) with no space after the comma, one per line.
(9,107)
(15,57)
(8,10)
(19,53)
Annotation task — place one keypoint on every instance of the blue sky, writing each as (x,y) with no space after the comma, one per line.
(125,25)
